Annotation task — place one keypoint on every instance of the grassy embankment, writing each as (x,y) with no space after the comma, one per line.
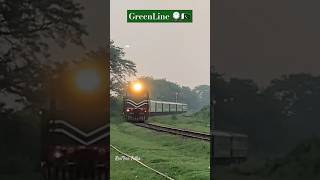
(303,162)
(175,156)
(199,121)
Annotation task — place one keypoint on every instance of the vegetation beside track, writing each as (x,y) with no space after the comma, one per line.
(175,156)
(303,162)
(199,121)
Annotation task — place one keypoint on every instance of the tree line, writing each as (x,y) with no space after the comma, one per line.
(164,90)
(159,89)
(276,117)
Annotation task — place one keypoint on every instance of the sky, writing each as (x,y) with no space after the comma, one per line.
(262,40)
(254,39)
(177,52)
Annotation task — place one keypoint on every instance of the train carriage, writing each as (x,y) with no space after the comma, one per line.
(180,108)
(137,106)
(222,144)
(240,146)
(153,106)
(229,147)
(165,107)
(158,108)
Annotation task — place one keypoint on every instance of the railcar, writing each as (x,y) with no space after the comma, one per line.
(75,128)
(230,147)
(165,107)
(137,106)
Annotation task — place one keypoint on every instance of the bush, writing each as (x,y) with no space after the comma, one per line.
(303,162)
(203,114)
(174,117)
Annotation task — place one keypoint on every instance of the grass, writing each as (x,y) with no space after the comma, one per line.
(302,162)
(190,122)
(175,156)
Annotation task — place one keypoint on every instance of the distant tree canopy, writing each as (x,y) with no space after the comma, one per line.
(298,97)
(26,27)
(161,89)
(276,117)
(120,69)
(203,92)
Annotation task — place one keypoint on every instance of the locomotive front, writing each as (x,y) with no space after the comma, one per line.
(75,127)
(136,102)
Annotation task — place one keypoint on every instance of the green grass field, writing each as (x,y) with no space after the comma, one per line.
(177,157)
(190,122)
(302,162)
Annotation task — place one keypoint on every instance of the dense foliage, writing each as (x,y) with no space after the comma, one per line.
(26,28)
(276,117)
(120,69)
(164,90)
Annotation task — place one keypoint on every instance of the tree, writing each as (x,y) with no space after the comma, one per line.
(242,107)
(203,91)
(25,29)
(164,90)
(120,69)
(298,96)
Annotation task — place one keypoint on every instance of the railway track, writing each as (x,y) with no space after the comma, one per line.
(176,131)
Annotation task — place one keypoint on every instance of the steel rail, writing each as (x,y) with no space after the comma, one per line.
(176,131)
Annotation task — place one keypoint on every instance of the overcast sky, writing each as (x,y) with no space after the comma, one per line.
(252,38)
(263,39)
(178,52)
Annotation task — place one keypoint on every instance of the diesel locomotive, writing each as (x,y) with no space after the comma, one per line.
(137,106)
(136,102)
(75,128)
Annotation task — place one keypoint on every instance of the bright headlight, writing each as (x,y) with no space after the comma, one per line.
(137,87)
(87,80)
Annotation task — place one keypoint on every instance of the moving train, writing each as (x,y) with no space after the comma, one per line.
(75,128)
(137,106)
(164,107)
(229,147)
